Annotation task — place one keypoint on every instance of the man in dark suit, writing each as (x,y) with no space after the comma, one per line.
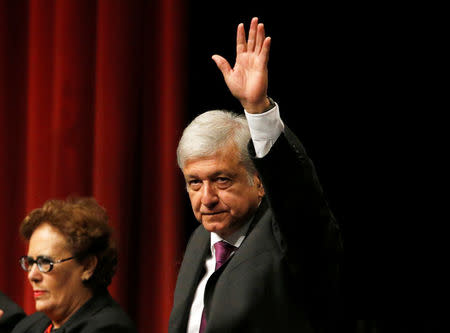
(267,255)
(10,313)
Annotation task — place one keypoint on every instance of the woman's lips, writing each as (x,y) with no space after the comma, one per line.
(38,293)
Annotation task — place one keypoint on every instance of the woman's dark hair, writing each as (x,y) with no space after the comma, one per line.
(84,224)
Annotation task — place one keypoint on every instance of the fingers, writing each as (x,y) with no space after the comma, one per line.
(241,44)
(265,50)
(256,37)
(252,35)
(222,64)
(260,36)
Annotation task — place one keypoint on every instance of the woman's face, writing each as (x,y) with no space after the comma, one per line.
(60,292)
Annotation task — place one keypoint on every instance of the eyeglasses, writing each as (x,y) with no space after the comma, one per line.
(44,264)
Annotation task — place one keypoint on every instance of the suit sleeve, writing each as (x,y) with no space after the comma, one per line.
(310,236)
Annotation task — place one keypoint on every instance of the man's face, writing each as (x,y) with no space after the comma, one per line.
(221,195)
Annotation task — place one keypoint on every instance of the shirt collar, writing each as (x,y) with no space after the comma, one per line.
(234,239)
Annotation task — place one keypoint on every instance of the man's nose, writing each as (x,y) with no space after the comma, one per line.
(209,195)
(34,274)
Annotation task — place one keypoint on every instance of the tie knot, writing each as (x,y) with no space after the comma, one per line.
(223,251)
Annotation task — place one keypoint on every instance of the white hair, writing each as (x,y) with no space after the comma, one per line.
(210,132)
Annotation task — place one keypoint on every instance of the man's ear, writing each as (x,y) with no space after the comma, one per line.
(259,185)
(89,263)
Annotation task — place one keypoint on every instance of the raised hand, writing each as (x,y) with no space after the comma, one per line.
(248,79)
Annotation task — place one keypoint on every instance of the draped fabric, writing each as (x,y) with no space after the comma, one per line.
(91,104)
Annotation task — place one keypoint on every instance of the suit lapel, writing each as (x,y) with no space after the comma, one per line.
(195,263)
(191,271)
(192,268)
(255,241)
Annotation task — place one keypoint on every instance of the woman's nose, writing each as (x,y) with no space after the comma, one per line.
(34,274)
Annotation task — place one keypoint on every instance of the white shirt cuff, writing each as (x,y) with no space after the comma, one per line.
(265,128)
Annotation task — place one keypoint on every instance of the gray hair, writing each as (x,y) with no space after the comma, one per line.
(211,131)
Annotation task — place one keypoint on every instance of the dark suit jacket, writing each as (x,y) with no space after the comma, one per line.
(285,277)
(12,314)
(100,314)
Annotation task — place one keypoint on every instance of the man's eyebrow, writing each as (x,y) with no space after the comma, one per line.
(223,173)
(212,175)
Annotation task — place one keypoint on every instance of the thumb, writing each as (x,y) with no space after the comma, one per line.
(222,64)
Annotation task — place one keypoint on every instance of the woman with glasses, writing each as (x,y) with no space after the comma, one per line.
(71,260)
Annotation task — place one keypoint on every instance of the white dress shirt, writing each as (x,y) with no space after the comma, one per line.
(265,128)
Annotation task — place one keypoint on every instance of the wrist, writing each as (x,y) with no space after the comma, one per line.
(264,106)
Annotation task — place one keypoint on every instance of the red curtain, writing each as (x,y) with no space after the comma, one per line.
(91,104)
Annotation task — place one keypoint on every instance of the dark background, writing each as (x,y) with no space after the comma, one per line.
(309,77)
(351,81)
(317,63)
(356,82)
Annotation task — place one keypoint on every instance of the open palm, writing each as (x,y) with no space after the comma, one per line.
(248,80)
